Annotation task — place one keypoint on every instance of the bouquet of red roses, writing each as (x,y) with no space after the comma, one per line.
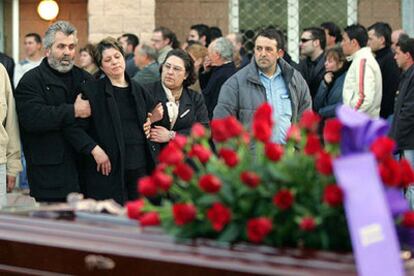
(250,189)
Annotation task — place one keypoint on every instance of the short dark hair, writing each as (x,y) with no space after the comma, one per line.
(406,44)
(215,32)
(107,43)
(271,34)
(333,30)
(188,65)
(202,30)
(36,37)
(131,40)
(317,34)
(282,44)
(167,33)
(357,32)
(382,29)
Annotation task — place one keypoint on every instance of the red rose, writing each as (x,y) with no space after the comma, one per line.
(171,155)
(263,114)
(162,180)
(219,215)
(307,223)
(407,173)
(332,131)
(234,127)
(323,163)
(183,171)
(198,130)
(134,208)
(179,141)
(147,186)
(202,153)
(283,199)
(210,183)
(251,179)
(245,137)
(219,130)
(229,156)
(293,134)
(383,147)
(258,229)
(262,131)
(150,219)
(390,172)
(333,195)
(313,145)
(408,219)
(309,120)
(184,213)
(274,152)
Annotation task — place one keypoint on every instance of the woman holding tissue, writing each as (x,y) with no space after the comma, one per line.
(121,116)
(182,106)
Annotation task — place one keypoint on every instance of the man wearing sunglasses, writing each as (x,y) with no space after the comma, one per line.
(312,45)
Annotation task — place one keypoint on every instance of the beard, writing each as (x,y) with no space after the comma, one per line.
(63,64)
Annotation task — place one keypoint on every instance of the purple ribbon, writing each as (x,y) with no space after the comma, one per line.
(370,223)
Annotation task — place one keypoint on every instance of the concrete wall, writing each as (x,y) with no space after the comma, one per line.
(371,11)
(112,18)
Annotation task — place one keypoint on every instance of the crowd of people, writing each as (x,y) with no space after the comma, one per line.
(97,128)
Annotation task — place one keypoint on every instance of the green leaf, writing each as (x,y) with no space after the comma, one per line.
(227,193)
(207,200)
(230,233)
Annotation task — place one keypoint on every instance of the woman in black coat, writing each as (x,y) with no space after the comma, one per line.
(182,106)
(119,111)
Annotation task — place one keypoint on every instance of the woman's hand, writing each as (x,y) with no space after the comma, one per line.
(147,126)
(157,113)
(159,134)
(103,163)
(328,77)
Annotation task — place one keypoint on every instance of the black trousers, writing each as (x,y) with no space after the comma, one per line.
(131,181)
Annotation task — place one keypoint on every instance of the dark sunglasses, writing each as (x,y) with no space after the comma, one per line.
(303,40)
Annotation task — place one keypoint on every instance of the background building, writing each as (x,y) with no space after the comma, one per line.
(96,19)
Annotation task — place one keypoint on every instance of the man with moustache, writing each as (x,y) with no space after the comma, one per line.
(48,106)
(266,79)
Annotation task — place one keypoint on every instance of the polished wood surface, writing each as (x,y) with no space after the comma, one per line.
(36,246)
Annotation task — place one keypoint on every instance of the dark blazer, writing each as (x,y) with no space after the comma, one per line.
(50,136)
(329,97)
(313,72)
(8,63)
(402,128)
(104,127)
(390,74)
(191,110)
(211,83)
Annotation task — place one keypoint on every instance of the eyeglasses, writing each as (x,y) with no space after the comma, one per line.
(175,69)
(304,40)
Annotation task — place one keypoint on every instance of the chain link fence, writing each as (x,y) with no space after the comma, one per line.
(289,16)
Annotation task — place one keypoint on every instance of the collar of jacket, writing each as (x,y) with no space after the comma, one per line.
(383,52)
(51,78)
(361,52)
(253,71)
(109,87)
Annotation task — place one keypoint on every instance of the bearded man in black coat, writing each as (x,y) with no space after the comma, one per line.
(48,105)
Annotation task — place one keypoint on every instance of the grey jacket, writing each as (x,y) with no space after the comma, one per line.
(243,93)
